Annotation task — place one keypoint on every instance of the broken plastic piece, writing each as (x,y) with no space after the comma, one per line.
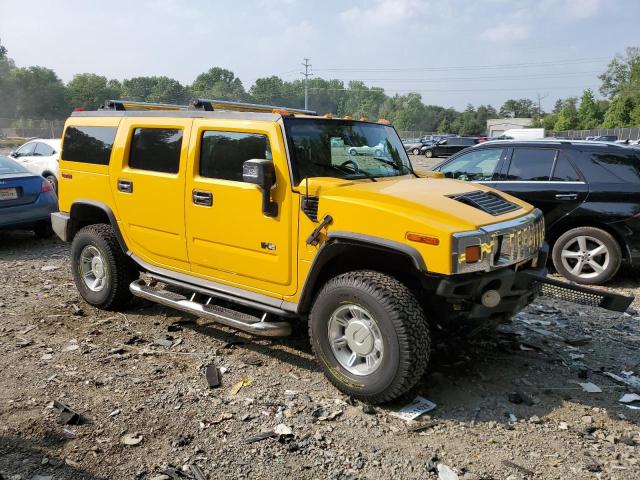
(419,406)
(212,375)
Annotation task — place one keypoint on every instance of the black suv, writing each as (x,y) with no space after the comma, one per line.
(589,193)
(448,146)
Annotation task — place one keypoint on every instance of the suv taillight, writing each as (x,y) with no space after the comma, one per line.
(46,186)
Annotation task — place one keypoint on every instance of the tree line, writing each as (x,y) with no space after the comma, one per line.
(38,93)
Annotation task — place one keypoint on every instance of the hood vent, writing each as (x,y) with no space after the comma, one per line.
(310,207)
(489,202)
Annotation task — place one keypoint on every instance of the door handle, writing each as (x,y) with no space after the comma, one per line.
(201,197)
(125,186)
(567,196)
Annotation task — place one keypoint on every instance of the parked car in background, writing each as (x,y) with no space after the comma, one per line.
(26,200)
(604,138)
(377,150)
(40,156)
(448,146)
(589,193)
(412,146)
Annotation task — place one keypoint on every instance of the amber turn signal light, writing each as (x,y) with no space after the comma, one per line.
(472,254)
(418,237)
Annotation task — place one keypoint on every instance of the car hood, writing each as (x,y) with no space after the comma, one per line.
(427,201)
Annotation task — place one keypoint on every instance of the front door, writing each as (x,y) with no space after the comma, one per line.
(229,238)
(148,184)
(545,178)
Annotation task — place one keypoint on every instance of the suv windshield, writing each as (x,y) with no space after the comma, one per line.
(344,149)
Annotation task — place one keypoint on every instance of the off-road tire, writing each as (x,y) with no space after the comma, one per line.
(606,238)
(402,323)
(43,230)
(121,269)
(428,153)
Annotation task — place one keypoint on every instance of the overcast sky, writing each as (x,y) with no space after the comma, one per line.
(451,52)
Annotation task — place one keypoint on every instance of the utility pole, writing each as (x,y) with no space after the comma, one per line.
(540,98)
(306,74)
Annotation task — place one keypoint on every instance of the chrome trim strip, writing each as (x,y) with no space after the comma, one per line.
(256,298)
(59,223)
(555,182)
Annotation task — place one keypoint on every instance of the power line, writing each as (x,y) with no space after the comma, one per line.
(378,90)
(575,61)
(479,78)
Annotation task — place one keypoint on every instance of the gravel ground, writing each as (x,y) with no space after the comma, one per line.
(509,405)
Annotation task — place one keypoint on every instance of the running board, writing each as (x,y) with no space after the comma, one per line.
(225,316)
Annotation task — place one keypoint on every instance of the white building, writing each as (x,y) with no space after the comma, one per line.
(497,126)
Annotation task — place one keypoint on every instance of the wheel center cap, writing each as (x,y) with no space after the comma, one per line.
(359,337)
(97,267)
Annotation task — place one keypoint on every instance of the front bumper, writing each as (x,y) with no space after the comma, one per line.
(517,289)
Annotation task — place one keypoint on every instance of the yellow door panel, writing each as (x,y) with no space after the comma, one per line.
(231,240)
(148,182)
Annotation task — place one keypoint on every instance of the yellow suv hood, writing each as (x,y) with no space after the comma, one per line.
(425,200)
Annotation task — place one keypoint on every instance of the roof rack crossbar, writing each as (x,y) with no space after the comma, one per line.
(123,105)
(211,105)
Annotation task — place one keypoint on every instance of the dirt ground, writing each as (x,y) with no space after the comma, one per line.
(509,405)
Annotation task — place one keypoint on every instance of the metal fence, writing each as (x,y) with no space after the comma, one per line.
(623,133)
(29,128)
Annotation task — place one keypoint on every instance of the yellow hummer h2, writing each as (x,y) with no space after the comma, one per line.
(255,216)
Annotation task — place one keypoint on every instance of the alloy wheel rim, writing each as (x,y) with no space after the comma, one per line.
(585,256)
(355,339)
(93,269)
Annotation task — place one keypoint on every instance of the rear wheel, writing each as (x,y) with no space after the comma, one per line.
(587,255)
(101,270)
(369,335)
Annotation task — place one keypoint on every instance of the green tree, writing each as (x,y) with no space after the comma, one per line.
(218,83)
(619,112)
(619,72)
(567,117)
(7,85)
(522,108)
(167,90)
(89,91)
(39,93)
(138,88)
(549,121)
(588,111)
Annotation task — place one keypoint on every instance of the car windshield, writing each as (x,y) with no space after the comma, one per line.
(344,149)
(8,167)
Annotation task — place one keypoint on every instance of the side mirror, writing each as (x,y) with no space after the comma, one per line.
(14,154)
(262,173)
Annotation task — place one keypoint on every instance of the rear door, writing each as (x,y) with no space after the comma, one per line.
(148,183)
(545,178)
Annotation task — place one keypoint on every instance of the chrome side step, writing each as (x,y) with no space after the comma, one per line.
(225,316)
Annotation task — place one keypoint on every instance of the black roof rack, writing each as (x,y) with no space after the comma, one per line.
(123,105)
(211,105)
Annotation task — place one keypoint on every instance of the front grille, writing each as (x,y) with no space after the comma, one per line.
(489,202)
(519,244)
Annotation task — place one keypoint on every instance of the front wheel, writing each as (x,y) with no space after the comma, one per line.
(369,335)
(587,255)
(101,270)
(429,153)
(416,151)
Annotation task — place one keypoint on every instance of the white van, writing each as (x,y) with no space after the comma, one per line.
(523,134)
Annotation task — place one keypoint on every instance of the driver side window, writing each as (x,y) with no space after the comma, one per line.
(26,150)
(478,165)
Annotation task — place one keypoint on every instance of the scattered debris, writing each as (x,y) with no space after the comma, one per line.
(49,268)
(163,341)
(244,382)
(419,427)
(252,360)
(419,406)
(578,341)
(131,438)
(197,472)
(627,378)
(282,429)
(67,416)
(590,387)
(446,473)
(520,397)
(260,436)
(212,375)
(521,469)
(22,342)
(631,400)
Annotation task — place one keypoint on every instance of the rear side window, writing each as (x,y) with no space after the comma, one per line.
(624,167)
(43,150)
(156,149)
(88,144)
(531,164)
(223,153)
(564,171)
